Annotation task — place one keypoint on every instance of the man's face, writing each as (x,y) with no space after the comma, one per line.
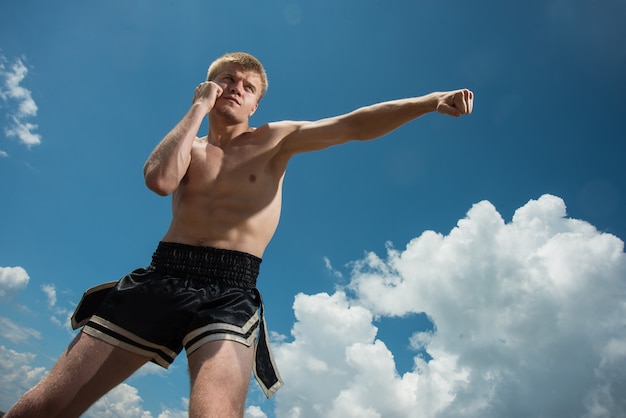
(239,99)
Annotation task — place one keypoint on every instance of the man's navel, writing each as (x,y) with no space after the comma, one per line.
(252,178)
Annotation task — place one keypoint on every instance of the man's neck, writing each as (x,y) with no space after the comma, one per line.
(221,132)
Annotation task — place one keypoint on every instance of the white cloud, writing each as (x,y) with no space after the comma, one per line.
(170,413)
(16,375)
(529,320)
(16,333)
(51,294)
(529,316)
(330,268)
(176,413)
(151,368)
(336,368)
(12,280)
(254,412)
(23,131)
(314,364)
(15,95)
(122,401)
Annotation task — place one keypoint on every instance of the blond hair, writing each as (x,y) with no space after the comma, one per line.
(243,59)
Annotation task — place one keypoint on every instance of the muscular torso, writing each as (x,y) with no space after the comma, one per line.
(230,196)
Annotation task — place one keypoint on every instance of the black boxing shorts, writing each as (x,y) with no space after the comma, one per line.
(188,296)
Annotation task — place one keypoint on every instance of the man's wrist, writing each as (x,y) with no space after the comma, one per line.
(432,101)
(201,107)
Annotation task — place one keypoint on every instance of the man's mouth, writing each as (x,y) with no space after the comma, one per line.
(232,99)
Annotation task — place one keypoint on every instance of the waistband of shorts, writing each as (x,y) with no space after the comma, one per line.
(236,267)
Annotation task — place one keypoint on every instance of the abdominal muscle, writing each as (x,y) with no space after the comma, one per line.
(242,222)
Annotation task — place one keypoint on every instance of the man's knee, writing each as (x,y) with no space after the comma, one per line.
(218,404)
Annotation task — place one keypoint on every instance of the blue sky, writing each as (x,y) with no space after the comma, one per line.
(455,267)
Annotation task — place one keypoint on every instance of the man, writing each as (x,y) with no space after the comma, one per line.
(199,291)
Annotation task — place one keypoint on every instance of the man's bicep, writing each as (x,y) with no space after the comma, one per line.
(317,135)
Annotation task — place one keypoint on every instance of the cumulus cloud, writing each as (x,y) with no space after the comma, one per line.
(335,367)
(254,412)
(529,320)
(12,280)
(122,401)
(20,102)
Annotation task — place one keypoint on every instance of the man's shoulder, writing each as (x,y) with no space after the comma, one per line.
(274,131)
(271,138)
(283,129)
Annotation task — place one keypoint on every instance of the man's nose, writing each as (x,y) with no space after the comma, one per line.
(236,87)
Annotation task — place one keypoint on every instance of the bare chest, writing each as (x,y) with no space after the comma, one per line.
(235,169)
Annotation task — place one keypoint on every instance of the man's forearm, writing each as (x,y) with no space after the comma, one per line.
(379,119)
(168,162)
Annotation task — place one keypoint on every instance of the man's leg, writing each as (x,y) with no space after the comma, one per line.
(87,370)
(220,374)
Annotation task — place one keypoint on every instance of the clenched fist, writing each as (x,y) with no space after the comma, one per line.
(456,103)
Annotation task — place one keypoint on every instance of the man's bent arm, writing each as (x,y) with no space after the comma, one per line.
(168,163)
(373,121)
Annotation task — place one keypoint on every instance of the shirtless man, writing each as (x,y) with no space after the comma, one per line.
(199,291)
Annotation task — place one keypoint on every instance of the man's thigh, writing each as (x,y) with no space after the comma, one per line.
(220,375)
(87,370)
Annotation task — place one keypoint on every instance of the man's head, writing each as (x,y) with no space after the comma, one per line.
(247,63)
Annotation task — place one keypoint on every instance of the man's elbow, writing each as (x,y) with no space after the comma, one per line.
(159,185)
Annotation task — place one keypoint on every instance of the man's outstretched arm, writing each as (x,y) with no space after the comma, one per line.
(373,121)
